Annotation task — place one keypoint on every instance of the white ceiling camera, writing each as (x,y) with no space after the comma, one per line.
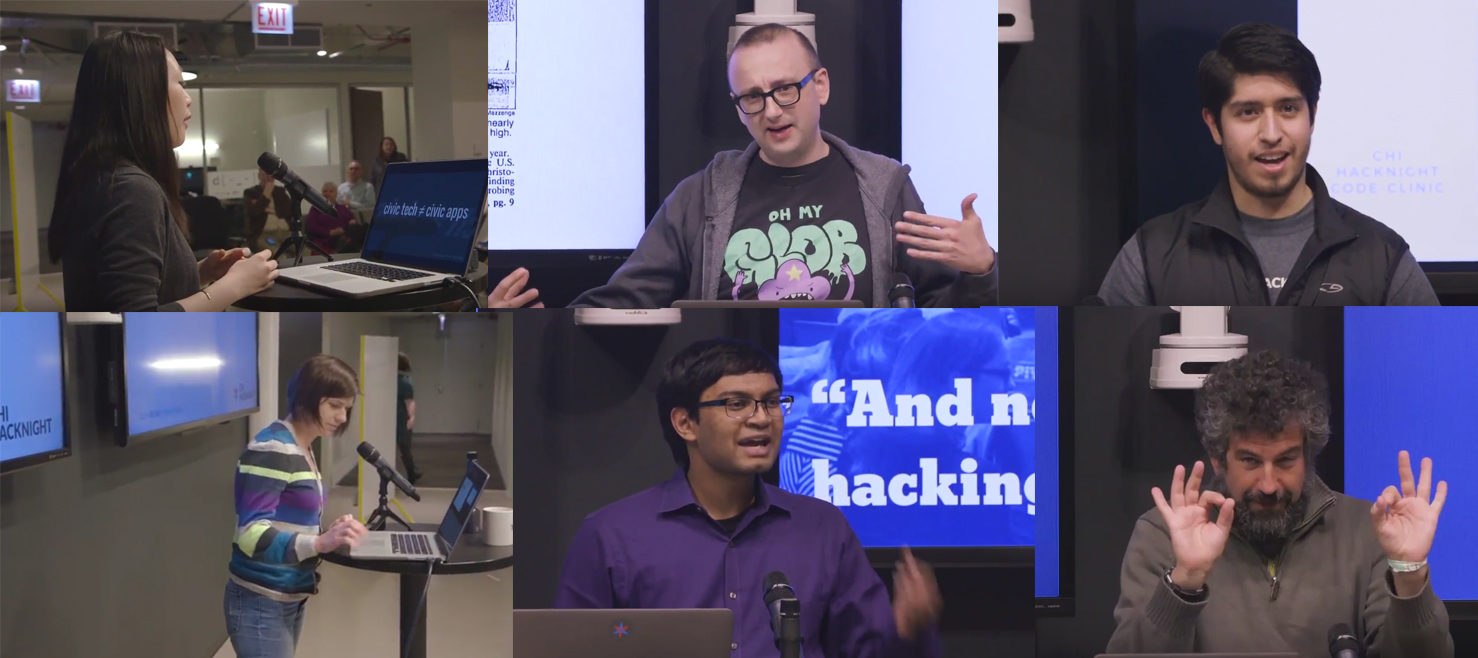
(628,317)
(1203,341)
(773,11)
(1016,21)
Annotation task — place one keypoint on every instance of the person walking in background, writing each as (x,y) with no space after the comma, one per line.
(389,153)
(405,417)
(331,231)
(279,505)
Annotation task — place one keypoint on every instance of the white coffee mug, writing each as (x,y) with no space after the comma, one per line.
(497,526)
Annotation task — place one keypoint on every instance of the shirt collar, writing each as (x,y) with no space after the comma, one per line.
(677,495)
(1220,211)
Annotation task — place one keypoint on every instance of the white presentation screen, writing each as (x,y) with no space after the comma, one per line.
(949,105)
(1396,134)
(566,124)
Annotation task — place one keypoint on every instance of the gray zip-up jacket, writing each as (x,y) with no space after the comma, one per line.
(681,255)
(1332,571)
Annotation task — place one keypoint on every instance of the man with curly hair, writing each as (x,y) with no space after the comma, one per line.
(1267,558)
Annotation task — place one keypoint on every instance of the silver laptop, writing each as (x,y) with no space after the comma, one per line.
(1197,655)
(743,303)
(427,218)
(396,545)
(699,633)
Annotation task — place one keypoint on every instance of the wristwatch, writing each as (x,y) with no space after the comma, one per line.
(1187,596)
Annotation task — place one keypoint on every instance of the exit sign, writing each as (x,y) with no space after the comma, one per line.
(271,18)
(23,91)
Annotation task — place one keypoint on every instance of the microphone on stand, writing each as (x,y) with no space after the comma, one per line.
(901,295)
(785,614)
(372,456)
(276,168)
(1342,642)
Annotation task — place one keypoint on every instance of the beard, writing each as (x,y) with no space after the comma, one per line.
(1267,529)
(1254,181)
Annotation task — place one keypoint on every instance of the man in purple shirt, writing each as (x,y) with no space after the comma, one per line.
(707,537)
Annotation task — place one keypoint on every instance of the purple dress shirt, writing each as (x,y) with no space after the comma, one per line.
(659,549)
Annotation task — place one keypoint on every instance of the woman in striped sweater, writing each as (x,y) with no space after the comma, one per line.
(279,500)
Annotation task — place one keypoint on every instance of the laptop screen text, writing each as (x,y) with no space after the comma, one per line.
(427,215)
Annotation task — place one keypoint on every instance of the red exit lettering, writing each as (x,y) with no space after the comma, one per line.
(272,18)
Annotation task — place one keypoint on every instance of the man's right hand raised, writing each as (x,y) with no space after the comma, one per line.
(509,292)
(1196,540)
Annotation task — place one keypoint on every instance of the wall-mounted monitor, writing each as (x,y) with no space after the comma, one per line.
(921,425)
(33,399)
(183,371)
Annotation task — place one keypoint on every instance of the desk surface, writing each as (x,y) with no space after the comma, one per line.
(286,297)
(470,556)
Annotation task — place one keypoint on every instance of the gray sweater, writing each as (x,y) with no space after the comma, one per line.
(1332,571)
(681,255)
(124,251)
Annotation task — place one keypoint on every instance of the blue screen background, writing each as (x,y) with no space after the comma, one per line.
(914,352)
(1049,551)
(184,367)
(431,243)
(1409,385)
(31,388)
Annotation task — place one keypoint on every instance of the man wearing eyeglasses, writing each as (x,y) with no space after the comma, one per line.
(708,537)
(799,215)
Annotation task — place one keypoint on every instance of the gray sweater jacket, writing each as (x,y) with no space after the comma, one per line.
(681,255)
(1332,571)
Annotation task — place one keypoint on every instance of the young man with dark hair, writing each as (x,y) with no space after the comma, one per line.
(1285,559)
(708,537)
(1270,233)
(799,215)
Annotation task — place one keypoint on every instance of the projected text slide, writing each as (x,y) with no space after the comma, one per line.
(1396,133)
(950,132)
(31,419)
(914,423)
(566,124)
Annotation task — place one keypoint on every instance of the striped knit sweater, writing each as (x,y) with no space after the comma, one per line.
(279,500)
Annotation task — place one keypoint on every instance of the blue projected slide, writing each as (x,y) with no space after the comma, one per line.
(31,409)
(427,216)
(1382,149)
(1409,386)
(1049,551)
(187,367)
(917,424)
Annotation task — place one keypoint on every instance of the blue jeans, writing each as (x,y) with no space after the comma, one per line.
(260,627)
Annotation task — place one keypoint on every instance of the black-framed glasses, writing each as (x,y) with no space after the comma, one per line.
(745,408)
(784,95)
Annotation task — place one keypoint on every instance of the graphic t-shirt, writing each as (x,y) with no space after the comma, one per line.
(799,234)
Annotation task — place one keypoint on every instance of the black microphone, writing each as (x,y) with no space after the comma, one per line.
(1094,300)
(785,614)
(276,168)
(1342,642)
(372,456)
(901,295)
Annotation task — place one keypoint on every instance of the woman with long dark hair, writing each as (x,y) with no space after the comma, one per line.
(117,225)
